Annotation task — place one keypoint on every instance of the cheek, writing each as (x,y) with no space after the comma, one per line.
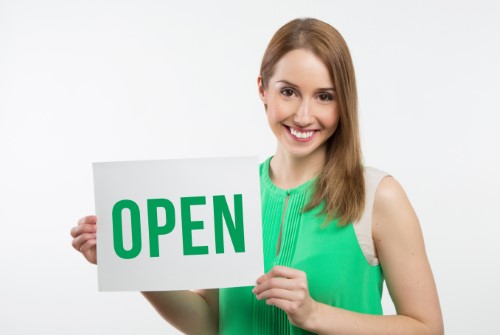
(280,109)
(273,117)
(274,111)
(333,120)
(329,117)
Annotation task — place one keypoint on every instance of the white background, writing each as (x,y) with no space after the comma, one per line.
(85,81)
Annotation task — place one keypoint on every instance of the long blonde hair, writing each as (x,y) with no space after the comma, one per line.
(341,183)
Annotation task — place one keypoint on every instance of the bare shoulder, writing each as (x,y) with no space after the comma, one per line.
(389,193)
(392,210)
(396,229)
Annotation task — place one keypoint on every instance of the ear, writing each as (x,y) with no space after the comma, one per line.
(262,90)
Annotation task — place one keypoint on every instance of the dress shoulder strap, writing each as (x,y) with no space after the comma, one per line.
(363,227)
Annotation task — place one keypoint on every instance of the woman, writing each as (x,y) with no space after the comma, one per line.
(333,230)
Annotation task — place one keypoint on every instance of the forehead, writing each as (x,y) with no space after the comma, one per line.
(303,68)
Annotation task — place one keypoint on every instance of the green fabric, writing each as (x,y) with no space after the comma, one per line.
(337,271)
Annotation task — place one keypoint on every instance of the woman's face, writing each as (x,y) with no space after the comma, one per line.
(302,110)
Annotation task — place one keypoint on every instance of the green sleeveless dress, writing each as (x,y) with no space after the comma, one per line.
(338,272)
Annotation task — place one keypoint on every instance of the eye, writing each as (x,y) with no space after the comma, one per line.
(325,97)
(287,92)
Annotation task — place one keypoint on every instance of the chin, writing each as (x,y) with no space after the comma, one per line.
(305,153)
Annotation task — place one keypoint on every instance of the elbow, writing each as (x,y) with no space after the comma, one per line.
(434,328)
(438,329)
(437,326)
(426,326)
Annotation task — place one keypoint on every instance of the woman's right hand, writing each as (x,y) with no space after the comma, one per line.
(84,237)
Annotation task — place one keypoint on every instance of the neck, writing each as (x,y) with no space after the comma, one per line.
(287,171)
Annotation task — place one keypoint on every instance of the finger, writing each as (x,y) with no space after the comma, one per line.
(285,305)
(279,293)
(275,282)
(89,219)
(286,272)
(81,239)
(281,271)
(88,245)
(83,228)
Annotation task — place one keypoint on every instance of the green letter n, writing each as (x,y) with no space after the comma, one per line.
(235,228)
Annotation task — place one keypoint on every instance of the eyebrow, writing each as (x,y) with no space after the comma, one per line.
(296,86)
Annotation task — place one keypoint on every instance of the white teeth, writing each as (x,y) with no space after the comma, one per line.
(300,134)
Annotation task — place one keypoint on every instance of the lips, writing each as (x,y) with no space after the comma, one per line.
(301,135)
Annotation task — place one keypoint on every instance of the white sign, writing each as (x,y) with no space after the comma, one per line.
(178,224)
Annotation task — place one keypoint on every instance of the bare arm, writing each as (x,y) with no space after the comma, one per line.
(192,312)
(400,247)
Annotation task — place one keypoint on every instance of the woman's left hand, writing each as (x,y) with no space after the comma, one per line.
(287,288)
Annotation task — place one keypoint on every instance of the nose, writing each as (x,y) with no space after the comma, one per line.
(303,116)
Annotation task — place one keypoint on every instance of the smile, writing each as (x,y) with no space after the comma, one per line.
(301,135)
